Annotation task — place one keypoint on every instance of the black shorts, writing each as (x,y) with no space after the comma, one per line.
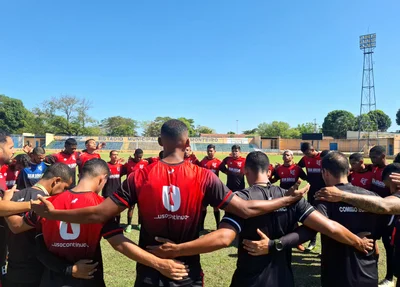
(198,282)
(9,283)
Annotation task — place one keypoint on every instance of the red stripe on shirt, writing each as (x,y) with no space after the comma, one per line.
(225,199)
(112,231)
(121,199)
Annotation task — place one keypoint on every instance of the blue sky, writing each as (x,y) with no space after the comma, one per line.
(210,60)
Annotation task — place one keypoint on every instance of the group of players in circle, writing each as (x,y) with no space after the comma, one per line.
(53,226)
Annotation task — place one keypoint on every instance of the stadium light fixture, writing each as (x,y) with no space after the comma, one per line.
(368,41)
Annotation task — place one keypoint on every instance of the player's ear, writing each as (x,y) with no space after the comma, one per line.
(269,173)
(187,144)
(160,141)
(56,180)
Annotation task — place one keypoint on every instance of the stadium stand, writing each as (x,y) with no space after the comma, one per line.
(222,147)
(59,145)
(144,146)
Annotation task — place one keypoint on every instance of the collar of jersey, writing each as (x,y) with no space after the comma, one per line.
(172,164)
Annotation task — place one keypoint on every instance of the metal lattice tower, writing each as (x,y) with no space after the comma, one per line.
(368,99)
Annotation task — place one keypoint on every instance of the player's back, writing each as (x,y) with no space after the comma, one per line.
(355,268)
(170,199)
(273,269)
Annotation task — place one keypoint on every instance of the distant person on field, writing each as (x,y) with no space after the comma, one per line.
(29,176)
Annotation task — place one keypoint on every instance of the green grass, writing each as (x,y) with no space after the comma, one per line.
(218,266)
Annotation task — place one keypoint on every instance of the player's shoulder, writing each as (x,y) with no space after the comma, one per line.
(244,193)
(355,189)
(276,191)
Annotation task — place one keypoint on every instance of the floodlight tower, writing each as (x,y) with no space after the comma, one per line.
(368,100)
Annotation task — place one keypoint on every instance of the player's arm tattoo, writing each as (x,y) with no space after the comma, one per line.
(374,204)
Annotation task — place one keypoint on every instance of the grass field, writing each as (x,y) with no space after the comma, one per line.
(219,266)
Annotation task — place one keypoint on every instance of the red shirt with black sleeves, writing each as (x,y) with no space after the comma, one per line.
(377,185)
(171,198)
(314,172)
(211,164)
(117,170)
(289,175)
(84,157)
(3,174)
(70,160)
(234,168)
(362,179)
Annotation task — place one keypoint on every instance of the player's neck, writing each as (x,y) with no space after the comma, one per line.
(173,157)
(341,180)
(84,185)
(44,185)
(261,178)
(287,163)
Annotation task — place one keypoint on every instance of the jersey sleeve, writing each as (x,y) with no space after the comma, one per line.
(234,220)
(302,163)
(125,195)
(322,207)
(31,218)
(216,193)
(111,228)
(222,166)
(302,174)
(303,209)
(276,174)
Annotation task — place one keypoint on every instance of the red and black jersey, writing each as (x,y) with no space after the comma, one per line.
(171,198)
(377,184)
(84,157)
(131,165)
(362,179)
(70,160)
(234,168)
(3,174)
(192,159)
(72,241)
(117,170)
(314,172)
(271,168)
(9,175)
(211,164)
(289,175)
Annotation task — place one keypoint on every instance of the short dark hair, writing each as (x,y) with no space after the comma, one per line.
(113,151)
(3,136)
(305,147)
(58,169)
(138,151)
(356,156)
(211,146)
(389,169)
(173,129)
(23,159)
(324,152)
(378,150)
(257,161)
(95,167)
(336,163)
(235,146)
(38,150)
(161,154)
(70,142)
(87,141)
(397,158)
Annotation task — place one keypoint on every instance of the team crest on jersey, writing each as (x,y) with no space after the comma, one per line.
(214,164)
(364,181)
(239,164)
(141,166)
(319,162)
(292,172)
(40,168)
(73,157)
(65,159)
(171,198)
(118,169)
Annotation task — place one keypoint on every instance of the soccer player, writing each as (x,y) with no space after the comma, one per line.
(21,247)
(68,156)
(170,194)
(117,170)
(361,174)
(190,156)
(288,174)
(155,159)
(397,158)
(135,163)
(312,162)
(233,166)
(29,176)
(212,163)
(273,269)
(74,242)
(88,153)
(388,205)
(378,159)
(11,171)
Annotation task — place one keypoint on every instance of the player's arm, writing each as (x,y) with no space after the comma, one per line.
(222,166)
(370,203)
(170,268)
(17,224)
(82,269)
(302,174)
(221,238)
(8,208)
(301,163)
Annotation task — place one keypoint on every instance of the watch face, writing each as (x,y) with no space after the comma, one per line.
(278,245)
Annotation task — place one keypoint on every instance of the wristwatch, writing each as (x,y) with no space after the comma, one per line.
(278,245)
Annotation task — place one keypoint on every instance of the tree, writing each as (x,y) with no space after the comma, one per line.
(337,123)
(398,117)
(204,130)
(367,124)
(251,132)
(307,128)
(190,125)
(153,128)
(119,126)
(230,133)
(14,117)
(381,119)
(274,129)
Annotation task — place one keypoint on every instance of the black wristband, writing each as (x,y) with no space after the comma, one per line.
(271,247)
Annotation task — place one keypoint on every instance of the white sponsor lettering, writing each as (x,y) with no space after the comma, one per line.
(350,209)
(114,176)
(172,216)
(282,209)
(288,179)
(234,170)
(314,170)
(72,165)
(378,183)
(35,175)
(70,244)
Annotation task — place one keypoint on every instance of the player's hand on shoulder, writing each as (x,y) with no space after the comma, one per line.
(365,245)
(172,269)
(329,193)
(43,208)
(257,248)
(84,269)
(166,250)
(295,192)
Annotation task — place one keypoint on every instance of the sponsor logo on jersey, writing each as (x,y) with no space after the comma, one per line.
(378,183)
(350,209)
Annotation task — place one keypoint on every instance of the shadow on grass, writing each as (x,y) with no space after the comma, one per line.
(306,269)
